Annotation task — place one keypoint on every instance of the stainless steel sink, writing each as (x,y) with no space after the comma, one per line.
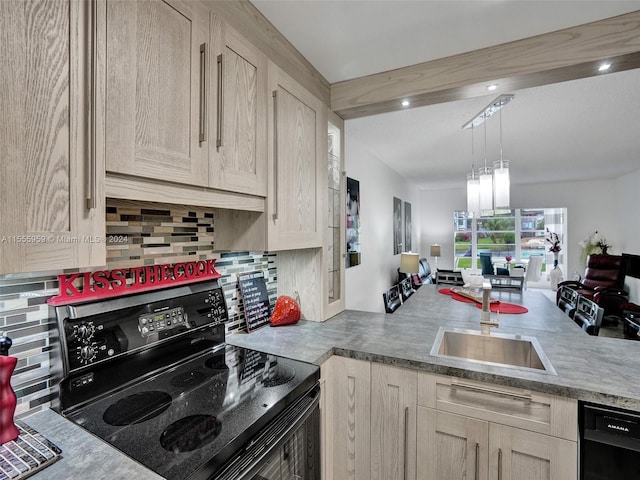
(505,350)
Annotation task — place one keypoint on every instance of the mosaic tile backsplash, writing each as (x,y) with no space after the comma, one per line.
(153,234)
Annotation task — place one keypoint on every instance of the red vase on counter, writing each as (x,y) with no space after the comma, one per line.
(8,430)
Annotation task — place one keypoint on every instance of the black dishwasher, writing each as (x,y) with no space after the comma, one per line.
(610,443)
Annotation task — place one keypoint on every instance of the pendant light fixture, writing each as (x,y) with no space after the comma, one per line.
(486,182)
(501,182)
(493,185)
(473,187)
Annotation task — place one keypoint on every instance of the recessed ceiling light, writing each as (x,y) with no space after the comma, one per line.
(405,103)
(493,87)
(604,67)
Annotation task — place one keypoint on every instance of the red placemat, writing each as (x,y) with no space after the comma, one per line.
(495,307)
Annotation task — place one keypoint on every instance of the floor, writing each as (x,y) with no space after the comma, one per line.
(610,329)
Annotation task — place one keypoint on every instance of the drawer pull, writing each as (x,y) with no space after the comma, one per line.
(493,391)
(220,131)
(202,133)
(477,460)
(406,430)
(93,116)
(275,154)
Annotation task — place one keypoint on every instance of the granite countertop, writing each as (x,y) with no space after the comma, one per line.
(83,454)
(596,369)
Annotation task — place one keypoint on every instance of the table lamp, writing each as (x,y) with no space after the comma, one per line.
(409,263)
(435,252)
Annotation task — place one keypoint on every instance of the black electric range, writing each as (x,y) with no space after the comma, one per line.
(152,375)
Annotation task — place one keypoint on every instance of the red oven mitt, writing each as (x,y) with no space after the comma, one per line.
(285,312)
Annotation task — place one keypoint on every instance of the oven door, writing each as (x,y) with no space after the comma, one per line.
(286,449)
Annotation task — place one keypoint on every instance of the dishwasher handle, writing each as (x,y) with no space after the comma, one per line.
(611,427)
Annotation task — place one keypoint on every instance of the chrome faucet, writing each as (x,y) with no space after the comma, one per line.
(485,317)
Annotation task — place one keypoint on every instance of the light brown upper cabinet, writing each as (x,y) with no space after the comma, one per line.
(297,165)
(51,161)
(156,102)
(238,118)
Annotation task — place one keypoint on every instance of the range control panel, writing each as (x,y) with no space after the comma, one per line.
(149,324)
(109,332)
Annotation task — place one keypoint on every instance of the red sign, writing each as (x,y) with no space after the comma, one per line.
(83,287)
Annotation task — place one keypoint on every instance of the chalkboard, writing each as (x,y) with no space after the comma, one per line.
(255,298)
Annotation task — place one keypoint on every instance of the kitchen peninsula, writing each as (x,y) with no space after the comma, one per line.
(588,368)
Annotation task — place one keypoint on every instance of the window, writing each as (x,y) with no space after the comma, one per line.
(517,233)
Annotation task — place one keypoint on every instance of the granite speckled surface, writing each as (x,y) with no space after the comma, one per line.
(596,369)
(83,455)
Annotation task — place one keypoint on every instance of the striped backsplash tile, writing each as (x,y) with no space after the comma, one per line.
(137,236)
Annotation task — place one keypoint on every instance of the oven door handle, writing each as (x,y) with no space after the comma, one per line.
(272,437)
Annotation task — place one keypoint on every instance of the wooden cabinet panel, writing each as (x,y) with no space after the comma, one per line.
(155,96)
(393,423)
(48,160)
(451,447)
(517,454)
(536,411)
(347,419)
(297,175)
(238,125)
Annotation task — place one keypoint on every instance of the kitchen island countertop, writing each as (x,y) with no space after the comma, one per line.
(596,369)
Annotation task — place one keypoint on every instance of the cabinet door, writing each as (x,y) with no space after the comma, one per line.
(238,119)
(48,163)
(335,242)
(516,454)
(346,419)
(393,423)
(156,97)
(451,447)
(297,173)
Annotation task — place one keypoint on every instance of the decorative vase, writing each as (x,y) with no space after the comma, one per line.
(8,430)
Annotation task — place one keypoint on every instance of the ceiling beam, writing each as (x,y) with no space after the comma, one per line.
(559,56)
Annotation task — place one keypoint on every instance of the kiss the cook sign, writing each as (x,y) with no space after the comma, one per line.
(82,287)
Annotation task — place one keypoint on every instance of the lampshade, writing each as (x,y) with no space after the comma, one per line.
(409,262)
(473,193)
(486,189)
(501,187)
(434,250)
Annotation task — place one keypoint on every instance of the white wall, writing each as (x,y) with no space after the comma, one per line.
(609,206)
(591,205)
(366,282)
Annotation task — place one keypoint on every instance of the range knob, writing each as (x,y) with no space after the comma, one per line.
(87,353)
(85,331)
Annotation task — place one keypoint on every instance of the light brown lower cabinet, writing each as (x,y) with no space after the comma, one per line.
(346,419)
(454,447)
(382,422)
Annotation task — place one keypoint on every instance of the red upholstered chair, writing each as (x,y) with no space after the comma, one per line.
(603,283)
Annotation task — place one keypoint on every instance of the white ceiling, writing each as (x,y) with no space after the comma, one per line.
(581,129)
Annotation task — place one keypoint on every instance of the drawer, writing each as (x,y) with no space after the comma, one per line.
(516,407)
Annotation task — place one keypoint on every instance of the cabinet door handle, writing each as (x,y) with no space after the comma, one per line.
(493,391)
(219,128)
(202,137)
(275,154)
(499,464)
(93,117)
(477,460)
(406,432)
